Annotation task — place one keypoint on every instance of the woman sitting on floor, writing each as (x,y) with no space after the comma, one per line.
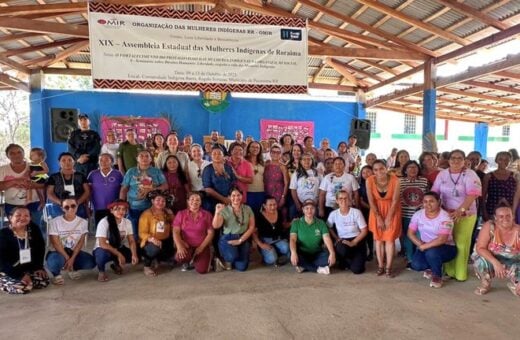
(21,254)
(308,234)
(68,236)
(115,241)
(498,251)
(155,226)
(435,245)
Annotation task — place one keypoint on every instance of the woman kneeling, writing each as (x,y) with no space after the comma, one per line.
(498,251)
(306,242)
(239,223)
(435,245)
(114,241)
(193,234)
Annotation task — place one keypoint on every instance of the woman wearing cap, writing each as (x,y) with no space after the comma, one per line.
(155,225)
(238,223)
(193,233)
(385,215)
(435,244)
(68,236)
(308,234)
(114,241)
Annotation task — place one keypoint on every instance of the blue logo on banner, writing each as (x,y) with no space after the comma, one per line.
(288,34)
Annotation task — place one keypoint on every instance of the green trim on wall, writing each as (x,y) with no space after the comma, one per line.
(440,137)
(498,139)
(466,138)
(405,136)
(375,135)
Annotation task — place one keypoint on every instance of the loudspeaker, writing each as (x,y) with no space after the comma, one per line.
(361,128)
(63,122)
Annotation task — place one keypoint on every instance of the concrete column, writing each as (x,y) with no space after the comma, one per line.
(429,142)
(481,136)
(38,117)
(360,109)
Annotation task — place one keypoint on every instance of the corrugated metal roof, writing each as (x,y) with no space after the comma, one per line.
(317,35)
(328,20)
(479,4)
(330,73)
(436,44)
(346,7)
(394,26)
(370,16)
(421,9)
(314,62)
(506,11)
(79,58)
(469,28)
(416,36)
(288,5)
(447,19)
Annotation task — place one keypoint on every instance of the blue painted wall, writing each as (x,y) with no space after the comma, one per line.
(331,119)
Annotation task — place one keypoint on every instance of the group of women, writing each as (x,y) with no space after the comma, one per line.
(296,209)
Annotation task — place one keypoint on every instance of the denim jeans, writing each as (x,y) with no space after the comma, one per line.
(311,262)
(103,256)
(133,216)
(56,261)
(152,252)
(238,256)
(280,248)
(433,258)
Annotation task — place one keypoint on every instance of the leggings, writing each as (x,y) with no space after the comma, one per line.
(103,256)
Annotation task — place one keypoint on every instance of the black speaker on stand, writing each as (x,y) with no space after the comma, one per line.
(361,128)
(63,122)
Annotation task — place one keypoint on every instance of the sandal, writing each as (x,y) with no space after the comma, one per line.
(102,277)
(514,288)
(389,273)
(484,288)
(58,280)
(148,271)
(117,269)
(74,275)
(380,271)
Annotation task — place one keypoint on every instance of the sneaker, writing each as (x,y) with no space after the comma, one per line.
(218,266)
(427,274)
(74,275)
(282,260)
(228,266)
(436,282)
(299,269)
(323,270)
(409,266)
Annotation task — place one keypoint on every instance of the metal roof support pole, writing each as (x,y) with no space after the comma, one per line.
(480,140)
(429,142)
(39,119)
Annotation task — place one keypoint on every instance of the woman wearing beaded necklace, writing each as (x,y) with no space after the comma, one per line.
(459,187)
(385,215)
(238,222)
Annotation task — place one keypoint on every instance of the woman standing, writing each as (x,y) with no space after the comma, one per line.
(412,188)
(67,182)
(238,222)
(305,185)
(21,254)
(242,168)
(195,168)
(498,186)
(385,215)
(401,159)
(435,244)
(276,178)
(255,190)
(155,225)
(114,241)
(178,185)
(429,168)
(343,153)
(308,147)
(68,235)
(269,234)
(193,234)
(498,252)
(286,143)
(364,206)
(459,187)
(172,148)
(217,178)
(158,146)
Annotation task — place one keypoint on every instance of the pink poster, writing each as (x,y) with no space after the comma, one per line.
(276,128)
(145,127)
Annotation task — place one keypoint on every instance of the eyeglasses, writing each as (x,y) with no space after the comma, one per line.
(68,207)
(276,152)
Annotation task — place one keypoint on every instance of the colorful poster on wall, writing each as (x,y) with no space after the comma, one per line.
(158,48)
(145,127)
(276,128)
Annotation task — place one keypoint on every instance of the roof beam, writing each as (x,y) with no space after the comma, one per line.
(414,22)
(395,95)
(442,115)
(477,105)
(67,52)
(481,96)
(507,74)
(15,65)
(334,51)
(379,66)
(40,47)
(341,69)
(43,8)
(491,86)
(14,83)
(474,13)
(367,27)
(19,36)
(67,71)
(332,87)
(44,27)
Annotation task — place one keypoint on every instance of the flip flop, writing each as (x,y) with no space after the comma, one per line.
(117,269)
(148,271)
(102,277)
(58,280)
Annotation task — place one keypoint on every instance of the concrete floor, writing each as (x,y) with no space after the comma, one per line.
(262,303)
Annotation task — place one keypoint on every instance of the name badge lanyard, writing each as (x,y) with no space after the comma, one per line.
(25,252)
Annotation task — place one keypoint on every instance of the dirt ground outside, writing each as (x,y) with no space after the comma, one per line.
(262,303)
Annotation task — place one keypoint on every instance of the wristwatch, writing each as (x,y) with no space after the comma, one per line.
(463,211)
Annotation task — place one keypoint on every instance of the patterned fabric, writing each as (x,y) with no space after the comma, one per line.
(498,190)
(13,286)
(273,181)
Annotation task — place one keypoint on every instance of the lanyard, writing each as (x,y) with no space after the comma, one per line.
(26,241)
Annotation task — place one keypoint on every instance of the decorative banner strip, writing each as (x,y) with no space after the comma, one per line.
(276,128)
(144,127)
(196,51)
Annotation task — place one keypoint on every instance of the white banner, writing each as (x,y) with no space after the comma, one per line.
(138,51)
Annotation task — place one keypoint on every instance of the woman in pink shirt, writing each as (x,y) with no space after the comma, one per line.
(435,244)
(192,234)
(458,188)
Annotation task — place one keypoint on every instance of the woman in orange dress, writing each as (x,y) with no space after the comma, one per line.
(384,220)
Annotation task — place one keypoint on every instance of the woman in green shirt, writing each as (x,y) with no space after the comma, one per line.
(308,234)
(238,223)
